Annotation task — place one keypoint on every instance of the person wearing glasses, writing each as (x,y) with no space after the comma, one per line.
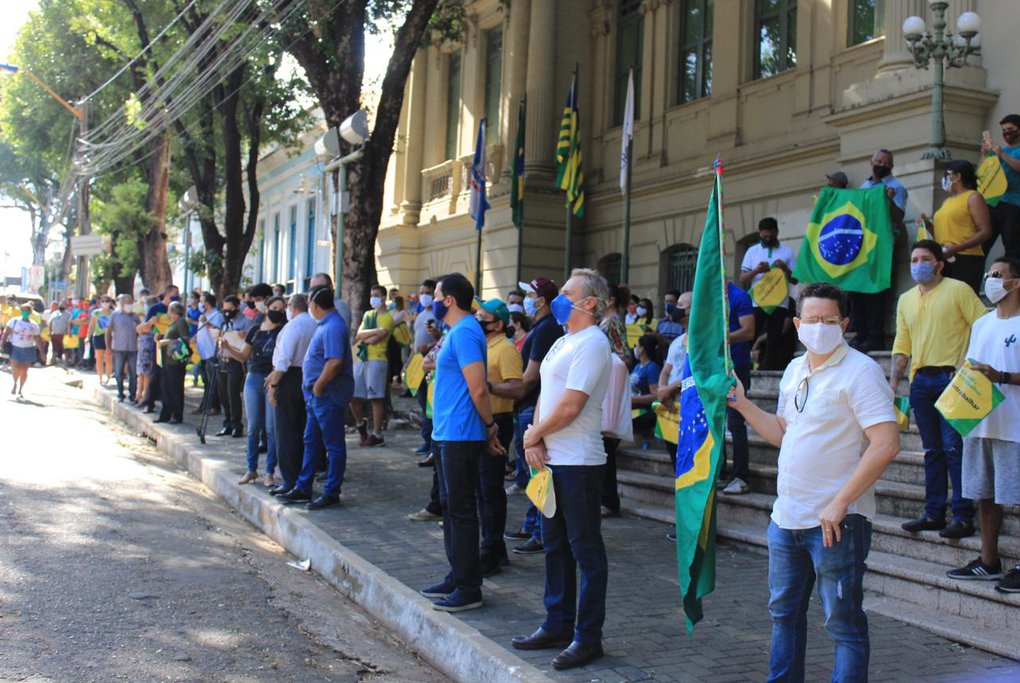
(933,322)
(836,432)
(991,451)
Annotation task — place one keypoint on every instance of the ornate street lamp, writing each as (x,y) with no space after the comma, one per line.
(944,50)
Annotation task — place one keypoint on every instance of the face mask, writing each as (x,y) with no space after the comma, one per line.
(488,326)
(276,317)
(24,315)
(375,302)
(290,316)
(819,338)
(922,272)
(425,300)
(879,172)
(562,307)
(641,311)
(637,353)
(947,184)
(439,309)
(1010,136)
(126,308)
(995,289)
(229,313)
(668,307)
(769,243)
(260,306)
(530,307)
(175,298)
(515,308)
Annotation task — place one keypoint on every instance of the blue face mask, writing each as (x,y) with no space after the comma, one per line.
(175,298)
(670,307)
(561,308)
(530,307)
(439,309)
(922,272)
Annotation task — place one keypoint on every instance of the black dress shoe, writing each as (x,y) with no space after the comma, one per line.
(539,640)
(226,431)
(324,501)
(158,420)
(577,655)
(150,409)
(924,524)
(295,495)
(176,421)
(280,490)
(427,461)
(958,528)
(238,433)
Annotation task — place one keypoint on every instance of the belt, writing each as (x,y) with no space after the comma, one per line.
(935,370)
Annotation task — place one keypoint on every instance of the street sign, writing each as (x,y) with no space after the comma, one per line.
(87,245)
(35,277)
(56,285)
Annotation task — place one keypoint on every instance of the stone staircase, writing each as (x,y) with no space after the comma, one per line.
(907,572)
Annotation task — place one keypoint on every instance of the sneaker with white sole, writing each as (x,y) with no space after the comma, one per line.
(423,515)
(1010,583)
(459,601)
(515,490)
(737,487)
(977,571)
(439,590)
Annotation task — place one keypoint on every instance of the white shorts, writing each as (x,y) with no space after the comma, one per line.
(370,379)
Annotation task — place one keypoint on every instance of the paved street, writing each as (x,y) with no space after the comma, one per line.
(115,565)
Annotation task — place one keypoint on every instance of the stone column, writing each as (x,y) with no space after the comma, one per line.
(515,54)
(540,140)
(414,148)
(896,11)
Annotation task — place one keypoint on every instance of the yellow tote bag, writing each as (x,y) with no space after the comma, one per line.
(770,290)
(968,399)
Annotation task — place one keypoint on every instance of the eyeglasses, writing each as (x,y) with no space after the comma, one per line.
(831,320)
(800,398)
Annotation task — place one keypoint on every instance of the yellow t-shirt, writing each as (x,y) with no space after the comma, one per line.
(504,364)
(373,320)
(933,329)
(953,224)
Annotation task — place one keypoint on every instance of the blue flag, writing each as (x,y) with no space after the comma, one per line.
(478,204)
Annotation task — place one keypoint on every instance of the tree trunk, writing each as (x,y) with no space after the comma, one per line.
(40,235)
(152,258)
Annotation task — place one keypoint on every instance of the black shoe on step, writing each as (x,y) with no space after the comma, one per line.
(295,495)
(539,640)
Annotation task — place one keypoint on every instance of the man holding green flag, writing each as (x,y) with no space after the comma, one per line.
(832,401)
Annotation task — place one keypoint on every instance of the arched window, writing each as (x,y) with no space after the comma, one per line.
(677,267)
(609,266)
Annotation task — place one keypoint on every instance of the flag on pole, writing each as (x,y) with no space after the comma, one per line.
(569,173)
(849,241)
(628,133)
(517,170)
(705,385)
(477,206)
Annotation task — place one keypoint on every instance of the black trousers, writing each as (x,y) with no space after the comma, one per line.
(231,390)
(290,425)
(155,386)
(173,392)
(867,316)
(774,358)
(610,494)
(967,268)
(1005,223)
(210,396)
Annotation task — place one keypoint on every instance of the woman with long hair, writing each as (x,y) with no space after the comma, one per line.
(962,224)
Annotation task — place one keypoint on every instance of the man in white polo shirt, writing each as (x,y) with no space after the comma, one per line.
(758,260)
(836,432)
(566,436)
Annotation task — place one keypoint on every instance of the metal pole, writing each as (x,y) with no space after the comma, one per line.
(84,225)
(625,261)
(187,248)
(341,165)
(478,263)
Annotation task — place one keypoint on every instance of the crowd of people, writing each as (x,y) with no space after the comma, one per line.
(541,380)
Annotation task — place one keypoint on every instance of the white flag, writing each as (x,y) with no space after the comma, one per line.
(628,132)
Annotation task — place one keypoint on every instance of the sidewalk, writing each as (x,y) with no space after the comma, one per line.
(373,554)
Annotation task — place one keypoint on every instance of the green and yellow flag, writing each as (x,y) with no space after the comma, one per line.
(705,385)
(771,290)
(991,179)
(968,399)
(569,171)
(849,241)
(901,406)
(517,170)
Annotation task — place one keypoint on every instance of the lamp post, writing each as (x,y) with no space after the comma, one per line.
(944,50)
(354,130)
(187,204)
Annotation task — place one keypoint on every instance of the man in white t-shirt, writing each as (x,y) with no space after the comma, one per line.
(758,260)
(566,437)
(836,433)
(673,368)
(991,451)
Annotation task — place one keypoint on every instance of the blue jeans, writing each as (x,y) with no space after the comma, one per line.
(457,464)
(797,560)
(261,415)
(943,449)
(325,424)
(573,541)
(491,494)
(533,518)
(120,360)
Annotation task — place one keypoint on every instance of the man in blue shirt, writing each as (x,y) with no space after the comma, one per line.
(463,430)
(868,311)
(1006,214)
(668,328)
(328,383)
(742,333)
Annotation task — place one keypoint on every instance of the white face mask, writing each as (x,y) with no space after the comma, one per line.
(995,289)
(641,311)
(947,184)
(425,300)
(515,308)
(819,338)
(637,353)
(260,306)
(375,302)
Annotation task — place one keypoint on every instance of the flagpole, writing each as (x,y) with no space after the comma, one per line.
(722,254)
(520,228)
(569,241)
(478,264)
(625,261)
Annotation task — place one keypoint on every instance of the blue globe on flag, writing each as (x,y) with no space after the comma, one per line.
(841,239)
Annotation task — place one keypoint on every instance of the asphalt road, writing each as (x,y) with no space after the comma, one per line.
(115,565)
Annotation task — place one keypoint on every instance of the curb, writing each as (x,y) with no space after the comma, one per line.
(454,648)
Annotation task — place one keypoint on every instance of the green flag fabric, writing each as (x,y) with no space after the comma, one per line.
(569,171)
(517,170)
(849,241)
(705,385)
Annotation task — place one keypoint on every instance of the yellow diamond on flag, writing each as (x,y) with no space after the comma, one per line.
(841,241)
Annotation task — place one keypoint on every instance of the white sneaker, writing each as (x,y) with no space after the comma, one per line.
(737,487)
(514,490)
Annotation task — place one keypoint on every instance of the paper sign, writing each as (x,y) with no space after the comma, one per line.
(540,491)
(667,424)
(770,291)
(968,399)
(991,179)
(414,373)
(162,323)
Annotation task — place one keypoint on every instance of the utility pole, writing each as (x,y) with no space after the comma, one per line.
(84,224)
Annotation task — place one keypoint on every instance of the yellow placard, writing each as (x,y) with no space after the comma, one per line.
(991,180)
(70,341)
(402,334)
(968,399)
(667,424)
(771,290)
(414,373)
(162,323)
(634,332)
(540,491)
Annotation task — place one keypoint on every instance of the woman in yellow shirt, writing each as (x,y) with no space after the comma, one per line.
(962,225)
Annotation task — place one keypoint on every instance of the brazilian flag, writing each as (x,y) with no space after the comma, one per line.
(849,241)
(705,385)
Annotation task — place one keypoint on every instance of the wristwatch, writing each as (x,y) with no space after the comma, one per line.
(1004,378)
(490,424)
